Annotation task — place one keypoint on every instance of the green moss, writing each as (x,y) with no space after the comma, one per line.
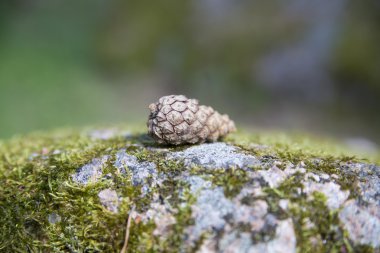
(317,229)
(311,218)
(35,182)
(296,147)
(232,180)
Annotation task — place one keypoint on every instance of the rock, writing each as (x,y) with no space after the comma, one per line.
(214,155)
(162,214)
(54,218)
(109,200)
(361,222)
(335,196)
(141,171)
(91,172)
(197,183)
(274,176)
(219,197)
(368,179)
(284,204)
(284,240)
(209,213)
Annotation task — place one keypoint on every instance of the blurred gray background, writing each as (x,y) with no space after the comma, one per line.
(296,65)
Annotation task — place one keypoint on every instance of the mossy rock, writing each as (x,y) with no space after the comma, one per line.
(74,191)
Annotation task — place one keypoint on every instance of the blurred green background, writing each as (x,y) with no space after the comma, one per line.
(296,65)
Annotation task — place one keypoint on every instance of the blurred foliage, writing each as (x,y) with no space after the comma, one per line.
(74,63)
(358,54)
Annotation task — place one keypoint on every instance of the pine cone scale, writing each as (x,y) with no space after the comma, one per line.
(188,116)
(174,118)
(179,106)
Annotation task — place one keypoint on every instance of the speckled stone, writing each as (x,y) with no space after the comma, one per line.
(91,172)
(361,222)
(221,218)
(143,173)
(214,155)
(109,199)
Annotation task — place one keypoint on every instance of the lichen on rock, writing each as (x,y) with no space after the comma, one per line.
(214,155)
(109,199)
(91,172)
(141,172)
(362,222)
(242,195)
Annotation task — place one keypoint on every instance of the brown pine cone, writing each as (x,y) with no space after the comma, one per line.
(176,120)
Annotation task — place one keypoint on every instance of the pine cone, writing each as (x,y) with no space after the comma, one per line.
(178,120)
